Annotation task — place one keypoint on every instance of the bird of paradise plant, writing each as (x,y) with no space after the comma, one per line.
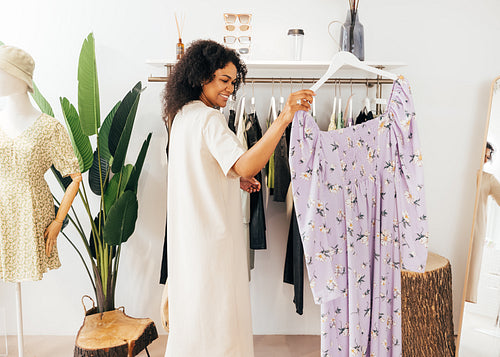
(108,176)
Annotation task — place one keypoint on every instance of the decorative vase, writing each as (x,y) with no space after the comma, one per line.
(352,37)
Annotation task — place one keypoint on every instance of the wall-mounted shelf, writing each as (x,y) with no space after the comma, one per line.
(281,68)
(309,71)
(289,65)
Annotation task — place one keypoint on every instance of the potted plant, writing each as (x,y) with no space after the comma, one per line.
(108,176)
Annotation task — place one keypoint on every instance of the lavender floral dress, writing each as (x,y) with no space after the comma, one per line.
(360,206)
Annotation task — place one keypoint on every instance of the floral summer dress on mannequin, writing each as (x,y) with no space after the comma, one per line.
(26,203)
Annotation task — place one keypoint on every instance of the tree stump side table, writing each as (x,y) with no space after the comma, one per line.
(114,334)
(427,310)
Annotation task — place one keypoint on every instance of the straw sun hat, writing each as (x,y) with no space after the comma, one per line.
(17,63)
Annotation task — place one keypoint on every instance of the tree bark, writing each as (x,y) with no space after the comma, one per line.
(427,310)
(114,334)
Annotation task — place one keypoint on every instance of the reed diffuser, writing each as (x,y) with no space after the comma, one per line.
(179,50)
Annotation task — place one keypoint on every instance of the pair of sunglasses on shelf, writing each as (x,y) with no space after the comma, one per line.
(245,41)
(244,20)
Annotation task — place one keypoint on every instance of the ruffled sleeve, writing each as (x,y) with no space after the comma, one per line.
(306,160)
(63,156)
(411,214)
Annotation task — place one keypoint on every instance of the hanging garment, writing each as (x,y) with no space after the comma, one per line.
(282,167)
(164,259)
(489,187)
(230,122)
(360,207)
(245,196)
(26,204)
(294,264)
(270,164)
(364,116)
(257,217)
(208,292)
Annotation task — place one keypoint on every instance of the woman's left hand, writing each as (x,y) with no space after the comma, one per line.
(50,236)
(249,185)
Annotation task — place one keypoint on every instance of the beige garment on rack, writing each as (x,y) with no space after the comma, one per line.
(489,187)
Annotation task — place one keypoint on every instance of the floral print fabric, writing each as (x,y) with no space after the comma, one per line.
(26,203)
(360,207)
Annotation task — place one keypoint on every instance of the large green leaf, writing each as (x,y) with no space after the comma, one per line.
(41,101)
(116,186)
(88,88)
(64,182)
(81,143)
(1,43)
(102,155)
(104,133)
(136,172)
(120,223)
(121,150)
(121,116)
(95,177)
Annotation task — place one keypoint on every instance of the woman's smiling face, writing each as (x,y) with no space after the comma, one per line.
(217,92)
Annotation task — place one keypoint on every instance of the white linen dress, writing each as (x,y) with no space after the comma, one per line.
(208,292)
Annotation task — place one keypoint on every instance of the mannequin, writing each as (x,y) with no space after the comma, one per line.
(21,123)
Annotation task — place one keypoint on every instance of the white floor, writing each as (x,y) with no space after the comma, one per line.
(265,346)
(478,336)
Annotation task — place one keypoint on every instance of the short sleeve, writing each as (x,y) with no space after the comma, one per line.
(63,156)
(494,190)
(222,142)
(412,216)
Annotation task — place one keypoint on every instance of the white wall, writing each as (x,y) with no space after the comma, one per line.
(452,53)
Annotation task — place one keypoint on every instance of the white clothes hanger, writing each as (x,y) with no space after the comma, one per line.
(344,58)
(272,111)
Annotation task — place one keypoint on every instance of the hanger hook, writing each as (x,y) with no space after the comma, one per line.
(351,86)
(253,88)
(281,88)
(272,87)
(291,87)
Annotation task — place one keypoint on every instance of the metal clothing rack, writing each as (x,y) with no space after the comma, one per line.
(369,82)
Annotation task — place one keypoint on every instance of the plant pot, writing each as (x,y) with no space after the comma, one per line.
(113,334)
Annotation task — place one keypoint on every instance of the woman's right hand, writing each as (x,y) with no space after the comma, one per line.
(300,100)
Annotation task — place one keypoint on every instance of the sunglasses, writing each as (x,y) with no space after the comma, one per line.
(244,40)
(244,19)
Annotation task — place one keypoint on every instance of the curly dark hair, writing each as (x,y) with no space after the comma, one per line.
(197,66)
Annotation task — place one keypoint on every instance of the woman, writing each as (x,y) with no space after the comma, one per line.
(489,187)
(209,301)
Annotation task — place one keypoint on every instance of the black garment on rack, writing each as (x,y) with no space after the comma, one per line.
(282,167)
(257,218)
(230,122)
(164,261)
(364,117)
(294,264)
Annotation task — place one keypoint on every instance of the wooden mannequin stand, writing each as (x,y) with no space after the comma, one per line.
(427,310)
(113,334)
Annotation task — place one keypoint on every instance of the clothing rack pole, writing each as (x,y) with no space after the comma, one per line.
(20,334)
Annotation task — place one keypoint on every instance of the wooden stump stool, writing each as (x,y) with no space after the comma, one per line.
(114,334)
(427,310)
